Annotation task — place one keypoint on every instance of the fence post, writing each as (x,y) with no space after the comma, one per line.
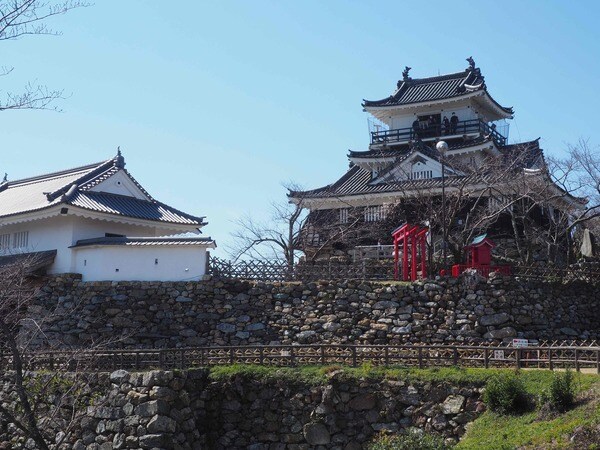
(161,359)
(261,355)
(486,358)
(577,359)
(231,356)
(354,358)
(387,356)
(550,362)
(182,359)
(455,356)
(598,362)
(292,357)
(322,354)
(518,358)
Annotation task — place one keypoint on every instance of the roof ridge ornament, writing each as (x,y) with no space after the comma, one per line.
(405,76)
(471,62)
(5,179)
(119,159)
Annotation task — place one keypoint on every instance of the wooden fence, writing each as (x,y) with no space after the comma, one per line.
(542,357)
(278,270)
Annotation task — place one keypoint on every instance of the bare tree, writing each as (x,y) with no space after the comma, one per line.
(43,407)
(279,238)
(578,175)
(292,231)
(20,18)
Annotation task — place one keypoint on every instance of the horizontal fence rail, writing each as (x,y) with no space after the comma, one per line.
(421,356)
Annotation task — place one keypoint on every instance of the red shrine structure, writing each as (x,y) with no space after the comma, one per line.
(479,257)
(412,238)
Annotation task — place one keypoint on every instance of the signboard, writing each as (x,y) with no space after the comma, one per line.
(520,343)
(498,354)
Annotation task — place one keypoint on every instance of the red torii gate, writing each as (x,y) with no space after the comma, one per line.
(413,239)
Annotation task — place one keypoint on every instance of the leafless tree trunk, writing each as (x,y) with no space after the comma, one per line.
(47,403)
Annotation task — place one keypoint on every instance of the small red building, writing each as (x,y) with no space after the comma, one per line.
(479,257)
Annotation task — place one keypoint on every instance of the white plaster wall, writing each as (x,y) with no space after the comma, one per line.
(85,228)
(120,184)
(137,263)
(60,232)
(49,234)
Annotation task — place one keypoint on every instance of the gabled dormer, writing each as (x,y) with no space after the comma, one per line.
(452,106)
(416,165)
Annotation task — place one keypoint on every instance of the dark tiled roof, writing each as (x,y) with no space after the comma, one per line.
(404,149)
(122,205)
(32,261)
(147,241)
(419,90)
(358,181)
(74,187)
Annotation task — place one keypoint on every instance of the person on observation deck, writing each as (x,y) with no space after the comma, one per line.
(453,123)
(446,126)
(415,128)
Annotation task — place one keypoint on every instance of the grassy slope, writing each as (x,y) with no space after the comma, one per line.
(495,432)
(490,431)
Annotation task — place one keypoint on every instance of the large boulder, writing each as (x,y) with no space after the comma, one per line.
(316,434)
(494,319)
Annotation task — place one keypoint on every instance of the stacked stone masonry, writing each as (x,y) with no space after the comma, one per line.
(235,312)
(187,410)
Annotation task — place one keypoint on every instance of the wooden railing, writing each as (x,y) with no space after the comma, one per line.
(436,130)
(366,269)
(421,356)
(554,274)
(278,270)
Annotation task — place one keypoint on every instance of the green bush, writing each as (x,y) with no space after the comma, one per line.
(560,396)
(414,439)
(506,394)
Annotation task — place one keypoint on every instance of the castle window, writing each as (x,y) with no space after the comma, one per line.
(374,213)
(421,174)
(20,239)
(4,241)
(344,215)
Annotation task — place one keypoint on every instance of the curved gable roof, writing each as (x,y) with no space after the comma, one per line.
(419,90)
(72,187)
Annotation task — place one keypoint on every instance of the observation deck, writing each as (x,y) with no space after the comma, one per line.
(432,132)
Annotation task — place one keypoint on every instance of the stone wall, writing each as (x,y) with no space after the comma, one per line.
(187,410)
(234,312)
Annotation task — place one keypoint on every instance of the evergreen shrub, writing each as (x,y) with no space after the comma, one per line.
(506,394)
(560,395)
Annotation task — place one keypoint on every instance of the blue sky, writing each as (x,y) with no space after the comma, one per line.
(215,104)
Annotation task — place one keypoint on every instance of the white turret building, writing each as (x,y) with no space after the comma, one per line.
(97,220)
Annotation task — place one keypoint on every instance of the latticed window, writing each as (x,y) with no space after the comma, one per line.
(344,215)
(374,213)
(4,241)
(21,239)
(421,174)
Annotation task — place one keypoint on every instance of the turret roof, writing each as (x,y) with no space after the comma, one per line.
(418,90)
(74,187)
(359,181)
